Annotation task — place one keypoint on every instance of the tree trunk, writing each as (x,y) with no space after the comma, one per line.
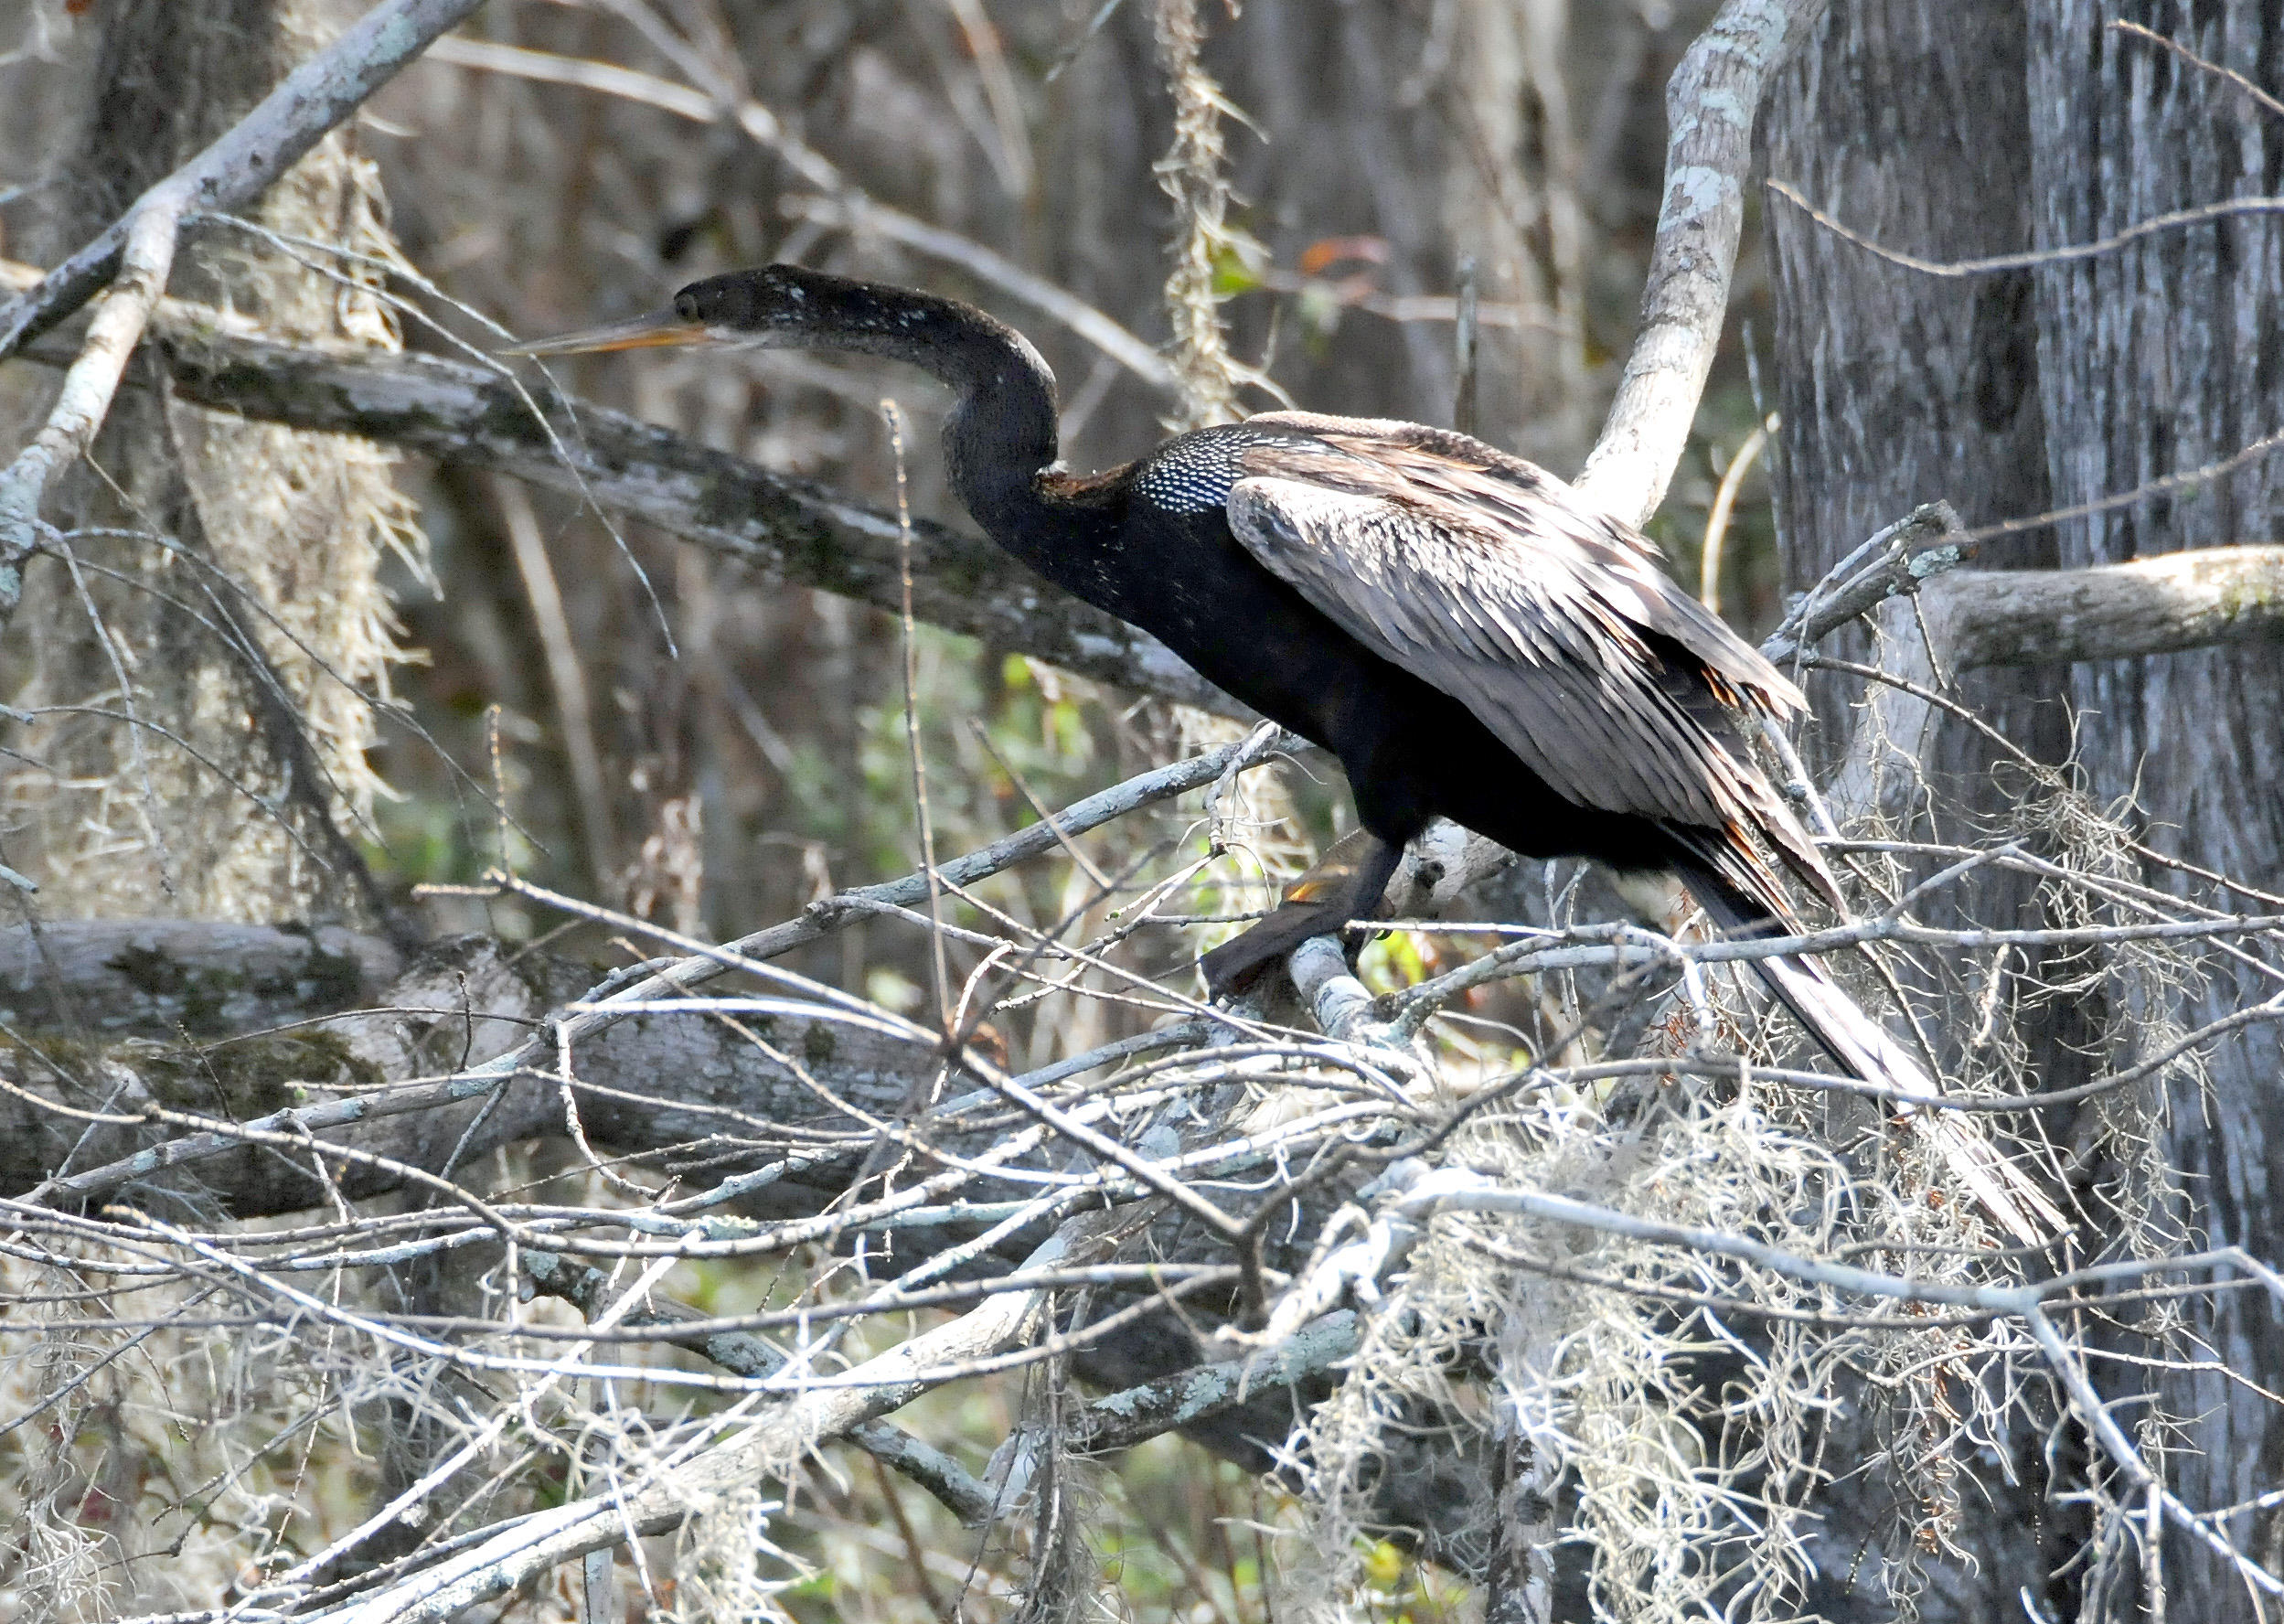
(1951,131)
(2164,358)
(210,670)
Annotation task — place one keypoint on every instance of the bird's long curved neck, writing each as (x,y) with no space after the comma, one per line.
(1001,432)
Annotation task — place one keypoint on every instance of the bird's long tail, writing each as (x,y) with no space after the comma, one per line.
(1865,1049)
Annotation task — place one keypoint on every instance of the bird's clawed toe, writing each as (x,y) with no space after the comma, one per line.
(1238,963)
(1347,882)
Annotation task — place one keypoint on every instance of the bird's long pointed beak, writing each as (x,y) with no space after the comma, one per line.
(644,332)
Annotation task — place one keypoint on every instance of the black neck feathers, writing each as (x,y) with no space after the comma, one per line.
(1001,435)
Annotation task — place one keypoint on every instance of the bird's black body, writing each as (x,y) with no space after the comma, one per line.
(1470,639)
(1158,551)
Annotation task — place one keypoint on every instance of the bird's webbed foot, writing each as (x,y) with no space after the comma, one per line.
(1348,881)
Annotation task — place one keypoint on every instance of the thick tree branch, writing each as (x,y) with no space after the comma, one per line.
(1935,622)
(2166,604)
(790,530)
(1710,104)
(463,1023)
(165,978)
(652,1083)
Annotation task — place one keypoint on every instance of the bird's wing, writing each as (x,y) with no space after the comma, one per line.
(1556,627)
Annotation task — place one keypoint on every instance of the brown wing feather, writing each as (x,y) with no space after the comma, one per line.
(1557,626)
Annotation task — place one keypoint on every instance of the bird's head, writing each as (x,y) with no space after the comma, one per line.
(777,306)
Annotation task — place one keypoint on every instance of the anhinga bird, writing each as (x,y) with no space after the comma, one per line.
(1470,639)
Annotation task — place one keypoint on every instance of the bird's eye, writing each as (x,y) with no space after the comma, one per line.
(685,306)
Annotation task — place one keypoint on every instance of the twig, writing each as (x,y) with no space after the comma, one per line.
(1463,340)
(748,1355)
(2267,102)
(565,674)
(1086,865)
(894,417)
(1895,560)
(1356,293)
(1717,516)
(2033,258)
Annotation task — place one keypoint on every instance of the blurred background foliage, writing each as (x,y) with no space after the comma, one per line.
(718,750)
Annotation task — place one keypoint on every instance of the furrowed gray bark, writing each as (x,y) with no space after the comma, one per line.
(1959,132)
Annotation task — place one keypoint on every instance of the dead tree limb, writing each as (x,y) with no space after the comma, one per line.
(164,978)
(1710,106)
(496,1037)
(1935,622)
(788,530)
(263,146)
(2167,604)
(318,1052)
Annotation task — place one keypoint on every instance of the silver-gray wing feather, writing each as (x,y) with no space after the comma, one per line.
(1556,626)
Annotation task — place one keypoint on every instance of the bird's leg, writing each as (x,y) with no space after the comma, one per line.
(1348,881)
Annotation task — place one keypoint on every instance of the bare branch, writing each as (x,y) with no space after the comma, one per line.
(1121,1420)
(2031,258)
(1710,106)
(147,254)
(262,146)
(1924,542)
